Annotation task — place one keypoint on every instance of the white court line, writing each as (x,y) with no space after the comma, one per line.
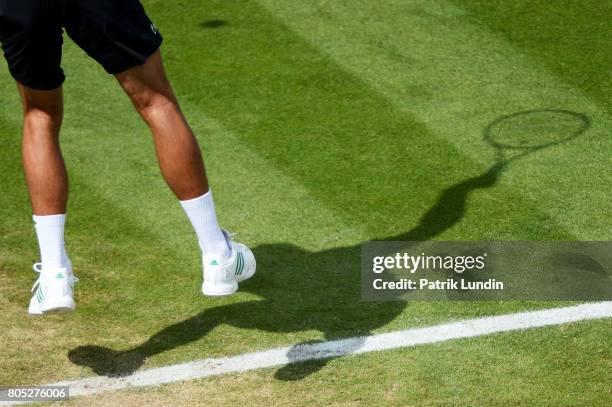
(392,340)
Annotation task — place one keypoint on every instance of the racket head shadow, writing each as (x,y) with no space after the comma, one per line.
(535,129)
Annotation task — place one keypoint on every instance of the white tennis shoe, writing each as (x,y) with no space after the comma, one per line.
(222,279)
(53,291)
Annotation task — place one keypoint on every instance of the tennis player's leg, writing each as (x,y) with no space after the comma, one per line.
(32,42)
(177,149)
(47,181)
(122,38)
(43,163)
(225,262)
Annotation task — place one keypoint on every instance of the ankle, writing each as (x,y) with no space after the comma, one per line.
(219,251)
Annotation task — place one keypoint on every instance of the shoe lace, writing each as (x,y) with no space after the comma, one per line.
(37,267)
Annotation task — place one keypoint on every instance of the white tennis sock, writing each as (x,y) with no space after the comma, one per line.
(50,233)
(201,213)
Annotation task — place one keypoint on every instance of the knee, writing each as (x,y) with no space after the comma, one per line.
(42,107)
(148,100)
(148,95)
(47,117)
(152,105)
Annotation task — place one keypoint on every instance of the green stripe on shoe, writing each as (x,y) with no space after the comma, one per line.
(239,264)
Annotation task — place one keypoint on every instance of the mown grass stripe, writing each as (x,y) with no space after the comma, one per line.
(435,61)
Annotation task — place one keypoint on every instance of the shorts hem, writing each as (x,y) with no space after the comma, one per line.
(39,85)
(124,65)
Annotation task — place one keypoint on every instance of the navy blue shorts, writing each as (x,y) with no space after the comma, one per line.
(116,33)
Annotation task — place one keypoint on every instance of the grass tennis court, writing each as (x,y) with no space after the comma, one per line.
(324,124)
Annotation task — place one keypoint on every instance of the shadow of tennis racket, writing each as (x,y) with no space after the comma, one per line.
(513,137)
(517,135)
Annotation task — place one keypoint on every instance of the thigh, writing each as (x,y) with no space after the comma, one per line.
(116,33)
(31,38)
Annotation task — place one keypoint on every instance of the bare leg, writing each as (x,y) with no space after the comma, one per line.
(42,159)
(177,150)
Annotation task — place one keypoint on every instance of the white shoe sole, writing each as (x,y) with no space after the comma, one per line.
(218,290)
(54,306)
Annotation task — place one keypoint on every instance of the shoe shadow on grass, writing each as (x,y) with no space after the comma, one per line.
(301,291)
